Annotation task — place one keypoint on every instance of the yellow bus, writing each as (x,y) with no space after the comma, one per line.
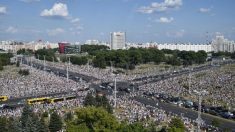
(3,98)
(70,97)
(54,100)
(38,100)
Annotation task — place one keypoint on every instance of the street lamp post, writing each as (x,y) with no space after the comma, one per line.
(199,119)
(189,83)
(44,61)
(115,92)
(53,62)
(68,70)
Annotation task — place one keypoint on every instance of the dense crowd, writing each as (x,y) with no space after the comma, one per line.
(133,111)
(60,107)
(37,83)
(218,82)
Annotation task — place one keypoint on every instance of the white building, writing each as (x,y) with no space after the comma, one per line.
(12,46)
(117,40)
(185,46)
(92,42)
(173,46)
(222,44)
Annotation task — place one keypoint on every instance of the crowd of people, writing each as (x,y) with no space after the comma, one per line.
(37,83)
(128,109)
(218,82)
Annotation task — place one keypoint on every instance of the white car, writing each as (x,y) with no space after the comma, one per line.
(2,105)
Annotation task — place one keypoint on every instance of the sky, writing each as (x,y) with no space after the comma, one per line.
(195,21)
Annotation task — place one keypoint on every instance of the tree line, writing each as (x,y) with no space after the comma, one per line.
(48,53)
(5,59)
(128,59)
(102,57)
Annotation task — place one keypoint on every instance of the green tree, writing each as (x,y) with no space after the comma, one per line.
(26,114)
(25,52)
(73,127)
(30,122)
(89,100)
(173,60)
(14,125)
(42,127)
(17,64)
(96,119)
(176,124)
(99,61)
(1,67)
(215,123)
(55,123)
(79,60)
(24,72)
(102,101)
(3,124)
(98,101)
(68,116)
(134,127)
(201,57)
(5,59)
(174,129)
(91,49)
(48,53)
(233,55)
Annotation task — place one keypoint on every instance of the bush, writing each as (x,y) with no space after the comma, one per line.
(24,72)
(17,64)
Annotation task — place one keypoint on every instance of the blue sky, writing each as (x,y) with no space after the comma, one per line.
(142,20)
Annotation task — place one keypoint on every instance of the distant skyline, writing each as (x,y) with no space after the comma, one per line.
(142,20)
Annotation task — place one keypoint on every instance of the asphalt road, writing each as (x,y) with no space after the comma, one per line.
(72,75)
(150,79)
(224,123)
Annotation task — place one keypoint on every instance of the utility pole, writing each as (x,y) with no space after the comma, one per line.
(133,88)
(199,119)
(38,58)
(189,82)
(27,61)
(31,62)
(111,67)
(53,62)
(44,68)
(115,92)
(88,65)
(68,70)
(21,59)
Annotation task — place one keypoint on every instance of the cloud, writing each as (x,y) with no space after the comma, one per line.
(11,29)
(176,34)
(160,7)
(3,10)
(29,1)
(59,10)
(165,20)
(204,10)
(76,23)
(54,32)
(75,20)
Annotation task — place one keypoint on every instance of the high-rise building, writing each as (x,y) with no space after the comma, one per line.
(222,44)
(117,40)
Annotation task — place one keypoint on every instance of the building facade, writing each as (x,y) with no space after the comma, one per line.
(13,46)
(222,44)
(117,40)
